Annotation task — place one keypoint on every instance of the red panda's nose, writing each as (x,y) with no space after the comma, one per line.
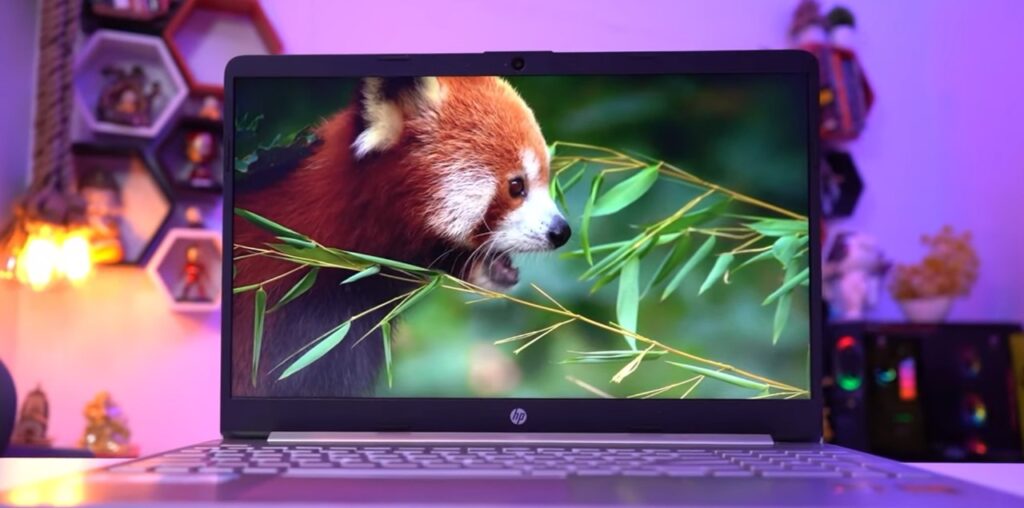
(559,232)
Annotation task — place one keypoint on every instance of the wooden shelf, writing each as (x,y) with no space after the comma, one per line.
(123,50)
(167,269)
(205,34)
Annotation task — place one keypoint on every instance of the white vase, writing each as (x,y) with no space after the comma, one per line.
(927,310)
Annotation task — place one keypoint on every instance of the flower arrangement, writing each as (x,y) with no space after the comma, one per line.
(948,270)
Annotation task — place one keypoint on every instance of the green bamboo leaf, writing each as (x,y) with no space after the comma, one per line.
(779,227)
(243,289)
(626,192)
(785,248)
(298,242)
(574,179)
(321,255)
(260,304)
(753,259)
(613,356)
(298,289)
(371,270)
(391,263)
(318,351)
(722,376)
(627,306)
(791,281)
(781,316)
(385,333)
(698,217)
(675,256)
(418,295)
(662,239)
(558,194)
(631,367)
(612,262)
(721,265)
(269,225)
(695,259)
(588,209)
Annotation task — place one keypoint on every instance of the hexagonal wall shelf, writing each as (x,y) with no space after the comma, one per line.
(109,51)
(125,197)
(191,154)
(187,268)
(205,34)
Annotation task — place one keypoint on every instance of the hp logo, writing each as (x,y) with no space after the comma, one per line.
(518,416)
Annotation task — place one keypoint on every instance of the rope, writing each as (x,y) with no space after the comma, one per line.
(52,172)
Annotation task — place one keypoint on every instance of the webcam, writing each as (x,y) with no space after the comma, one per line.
(518,63)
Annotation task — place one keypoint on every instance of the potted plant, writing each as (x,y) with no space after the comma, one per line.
(925,291)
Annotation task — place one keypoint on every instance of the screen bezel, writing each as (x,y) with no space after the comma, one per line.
(784,420)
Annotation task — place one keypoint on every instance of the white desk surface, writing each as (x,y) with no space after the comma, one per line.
(13,472)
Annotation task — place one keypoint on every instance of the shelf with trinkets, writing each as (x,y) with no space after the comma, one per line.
(204,34)
(191,154)
(187,266)
(127,84)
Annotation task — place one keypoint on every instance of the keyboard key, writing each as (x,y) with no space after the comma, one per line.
(259,470)
(801,474)
(403,473)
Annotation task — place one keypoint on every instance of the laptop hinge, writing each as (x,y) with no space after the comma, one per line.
(520,438)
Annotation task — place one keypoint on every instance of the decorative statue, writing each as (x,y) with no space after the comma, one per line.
(106,428)
(127,97)
(193,276)
(853,273)
(103,212)
(200,150)
(33,420)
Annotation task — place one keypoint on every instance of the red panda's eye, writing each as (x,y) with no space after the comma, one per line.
(517,187)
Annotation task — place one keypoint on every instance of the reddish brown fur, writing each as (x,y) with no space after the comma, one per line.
(376,205)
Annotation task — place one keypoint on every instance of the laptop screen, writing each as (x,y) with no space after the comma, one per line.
(553,237)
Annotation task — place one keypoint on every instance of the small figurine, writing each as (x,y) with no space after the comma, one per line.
(103,212)
(33,421)
(194,217)
(845,95)
(853,273)
(210,110)
(106,428)
(200,150)
(193,276)
(127,97)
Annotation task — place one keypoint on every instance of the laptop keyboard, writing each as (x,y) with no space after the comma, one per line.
(510,462)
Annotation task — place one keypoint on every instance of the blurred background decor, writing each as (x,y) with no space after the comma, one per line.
(926,290)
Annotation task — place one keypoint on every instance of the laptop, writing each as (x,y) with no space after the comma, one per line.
(536,278)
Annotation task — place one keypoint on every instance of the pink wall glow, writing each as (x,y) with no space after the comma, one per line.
(944,144)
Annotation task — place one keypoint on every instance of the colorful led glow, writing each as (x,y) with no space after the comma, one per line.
(975,413)
(885,376)
(977,446)
(908,379)
(971,362)
(849,381)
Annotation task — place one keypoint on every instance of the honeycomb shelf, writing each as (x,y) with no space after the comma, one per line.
(187,269)
(204,34)
(106,50)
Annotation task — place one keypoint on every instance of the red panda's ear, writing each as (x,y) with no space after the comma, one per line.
(386,104)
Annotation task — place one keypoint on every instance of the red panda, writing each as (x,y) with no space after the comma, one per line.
(447,172)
